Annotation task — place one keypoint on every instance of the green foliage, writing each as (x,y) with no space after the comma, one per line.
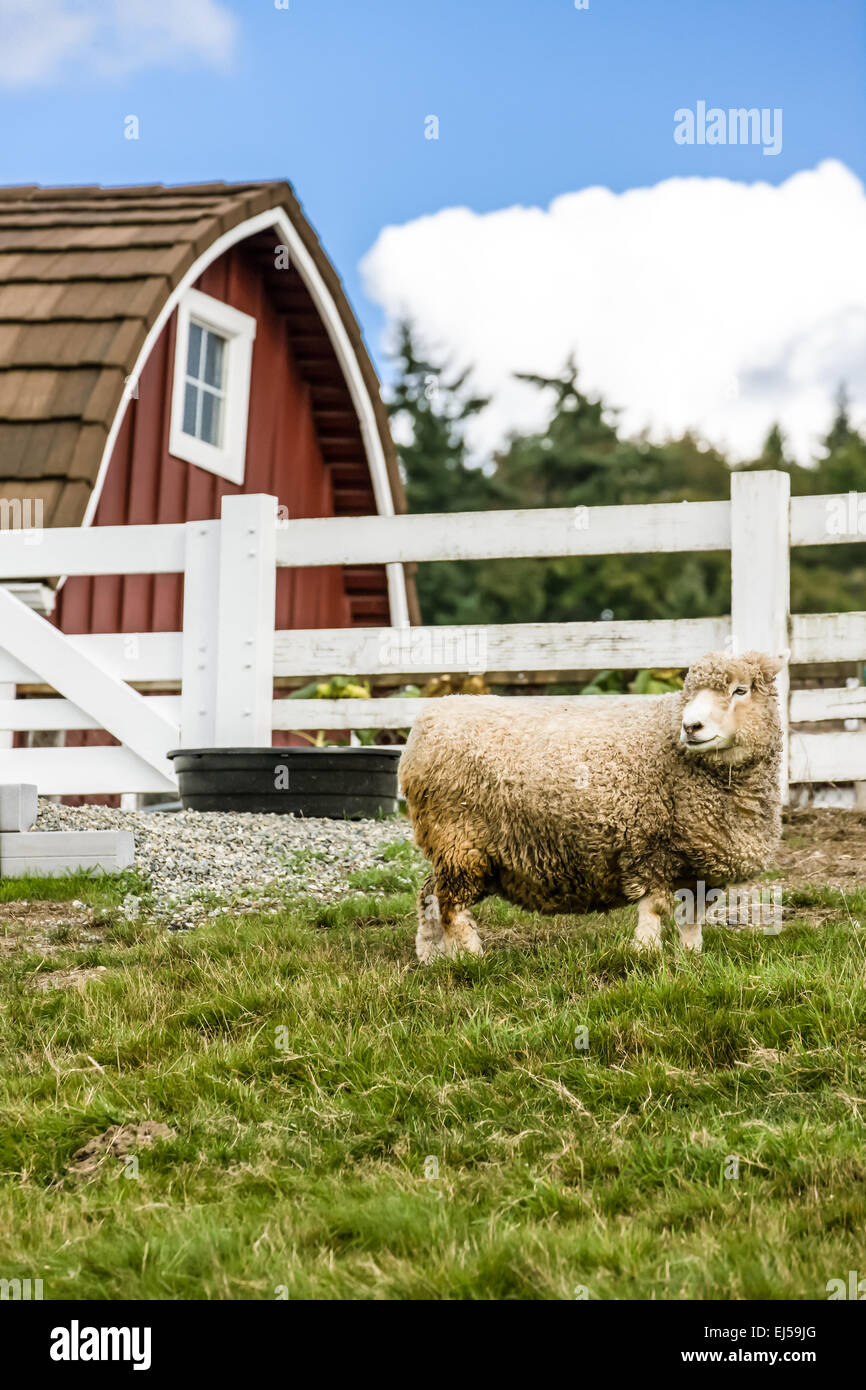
(343,688)
(657,682)
(606,683)
(335,688)
(92,887)
(653,682)
(580,460)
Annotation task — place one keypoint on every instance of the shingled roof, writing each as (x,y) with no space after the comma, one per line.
(84,275)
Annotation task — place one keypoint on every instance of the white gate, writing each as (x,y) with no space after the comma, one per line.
(221,663)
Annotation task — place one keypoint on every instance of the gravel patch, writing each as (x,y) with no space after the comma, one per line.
(193,858)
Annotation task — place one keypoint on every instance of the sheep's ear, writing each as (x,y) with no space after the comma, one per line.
(772,665)
(768,668)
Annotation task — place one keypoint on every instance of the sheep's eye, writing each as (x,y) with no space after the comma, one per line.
(740,690)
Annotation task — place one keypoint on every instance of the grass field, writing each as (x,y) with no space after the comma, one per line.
(343,1124)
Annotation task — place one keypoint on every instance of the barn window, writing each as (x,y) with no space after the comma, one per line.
(210,399)
(204,392)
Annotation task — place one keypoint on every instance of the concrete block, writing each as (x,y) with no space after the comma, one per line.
(17,806)
(58,852)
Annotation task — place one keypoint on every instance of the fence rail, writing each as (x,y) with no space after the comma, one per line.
(224,663)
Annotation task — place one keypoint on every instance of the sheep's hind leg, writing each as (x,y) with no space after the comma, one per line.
(650,909)
(428,939)
(459,932)
(691,933)
(445,925)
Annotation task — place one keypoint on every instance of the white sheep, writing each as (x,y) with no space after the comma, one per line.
(573,810)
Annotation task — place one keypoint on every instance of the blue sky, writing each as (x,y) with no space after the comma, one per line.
(535,98)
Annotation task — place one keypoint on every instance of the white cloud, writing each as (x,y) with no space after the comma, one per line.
(40,39)
(697,303)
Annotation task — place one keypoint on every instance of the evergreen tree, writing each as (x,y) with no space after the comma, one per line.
(430,412)
(828,579)
(772,454)
(840,432)
(579,460)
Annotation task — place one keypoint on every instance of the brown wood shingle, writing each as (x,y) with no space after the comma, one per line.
(45,266)
(84,275)
(104,236)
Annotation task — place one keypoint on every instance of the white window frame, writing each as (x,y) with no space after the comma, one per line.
(239,330)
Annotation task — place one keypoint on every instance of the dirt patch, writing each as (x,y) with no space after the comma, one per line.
(76,977)
(823,847)
(43,926)
(117,1142)
(44,914)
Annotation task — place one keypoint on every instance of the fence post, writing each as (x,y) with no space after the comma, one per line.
(8,691)
(761,575)
(200,634)
(247,604)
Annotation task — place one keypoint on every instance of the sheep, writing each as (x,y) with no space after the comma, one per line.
(574,810)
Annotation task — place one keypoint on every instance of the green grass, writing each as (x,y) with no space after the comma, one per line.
(96,889)
(311,1072)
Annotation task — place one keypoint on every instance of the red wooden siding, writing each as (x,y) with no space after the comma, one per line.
(144,484)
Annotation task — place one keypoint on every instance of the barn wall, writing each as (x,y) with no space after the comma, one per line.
(144,484)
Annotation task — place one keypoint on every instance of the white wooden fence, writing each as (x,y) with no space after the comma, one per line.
(228,656)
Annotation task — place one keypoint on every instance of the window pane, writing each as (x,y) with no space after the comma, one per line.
(193,356)
(211,412)
(213,359)
(189,409)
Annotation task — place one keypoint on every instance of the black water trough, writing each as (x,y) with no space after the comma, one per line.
(336,783)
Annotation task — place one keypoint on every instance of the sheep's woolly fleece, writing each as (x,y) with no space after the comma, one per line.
(719,670)
(571,809)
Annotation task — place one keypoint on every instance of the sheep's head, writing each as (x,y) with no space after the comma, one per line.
(729,708)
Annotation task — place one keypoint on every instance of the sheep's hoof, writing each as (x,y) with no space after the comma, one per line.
(691,943)
(470,945)
(427,949)
(428,941)
(647,945)
(441,948)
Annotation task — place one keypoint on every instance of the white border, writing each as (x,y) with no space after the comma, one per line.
(227,460)
(307,269)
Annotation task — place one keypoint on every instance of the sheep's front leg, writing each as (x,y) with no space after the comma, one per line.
(650,911)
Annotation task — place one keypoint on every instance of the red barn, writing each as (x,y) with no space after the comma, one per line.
(161,347)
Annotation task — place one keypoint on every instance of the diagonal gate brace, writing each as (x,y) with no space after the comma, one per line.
(115,706)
